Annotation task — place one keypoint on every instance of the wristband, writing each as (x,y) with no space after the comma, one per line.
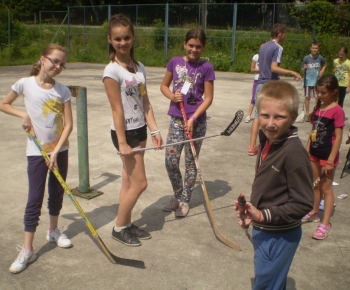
(155,132)
(194,119)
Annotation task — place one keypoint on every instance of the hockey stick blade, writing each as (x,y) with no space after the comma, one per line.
(234,124)
(112,258)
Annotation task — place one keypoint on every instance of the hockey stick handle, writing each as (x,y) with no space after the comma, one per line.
(176,143)
(227,132)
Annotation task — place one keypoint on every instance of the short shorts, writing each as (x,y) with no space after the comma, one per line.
(133,137)
(324,162)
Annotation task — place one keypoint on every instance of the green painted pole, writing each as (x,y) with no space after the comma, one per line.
(83,151)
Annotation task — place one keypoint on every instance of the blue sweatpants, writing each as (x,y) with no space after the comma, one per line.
(37,173)
(273,255)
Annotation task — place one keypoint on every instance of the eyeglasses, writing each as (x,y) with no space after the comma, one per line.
(56,62)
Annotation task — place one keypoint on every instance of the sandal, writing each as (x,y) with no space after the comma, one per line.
(321,232)
(311,218)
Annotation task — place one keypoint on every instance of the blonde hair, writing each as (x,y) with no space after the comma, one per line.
(46,51)
(281,92)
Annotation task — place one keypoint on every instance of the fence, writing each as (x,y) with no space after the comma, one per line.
(82,28)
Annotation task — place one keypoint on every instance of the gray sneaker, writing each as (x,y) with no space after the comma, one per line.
(182,210)
(173,205)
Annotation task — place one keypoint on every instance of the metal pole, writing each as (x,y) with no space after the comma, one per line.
(83,189)
(234,27)
(166,31)
(68,32)
(9,32)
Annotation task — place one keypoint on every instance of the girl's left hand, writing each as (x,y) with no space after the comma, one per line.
(328,168)
(347,90)
(157,141)
(53,161)
(189,126)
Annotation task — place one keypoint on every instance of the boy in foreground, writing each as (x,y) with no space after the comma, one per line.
(282,192)
(313,68)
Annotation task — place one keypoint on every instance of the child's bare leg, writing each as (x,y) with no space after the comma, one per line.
(307,106)
(134,183)
(316,169)
(327,189)
(254,133)
(251,107)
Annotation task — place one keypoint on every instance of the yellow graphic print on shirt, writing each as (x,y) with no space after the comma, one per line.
(53,112)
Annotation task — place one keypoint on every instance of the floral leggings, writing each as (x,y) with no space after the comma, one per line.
(182,189)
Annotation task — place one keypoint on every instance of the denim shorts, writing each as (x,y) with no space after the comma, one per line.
(133,137)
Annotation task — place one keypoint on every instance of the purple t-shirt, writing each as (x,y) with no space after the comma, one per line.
(325,122)
(198,72)
(270,52)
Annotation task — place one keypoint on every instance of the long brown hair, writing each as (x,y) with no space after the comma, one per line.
(331,84)
(120,20)
(46,51)
(196,34)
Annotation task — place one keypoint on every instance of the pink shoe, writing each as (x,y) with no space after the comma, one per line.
(311,218)
(321,232)
(253,151)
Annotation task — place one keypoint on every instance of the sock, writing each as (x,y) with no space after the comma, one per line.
(118,229)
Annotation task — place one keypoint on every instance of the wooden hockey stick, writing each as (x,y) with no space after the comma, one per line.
(72,198)
(218,234)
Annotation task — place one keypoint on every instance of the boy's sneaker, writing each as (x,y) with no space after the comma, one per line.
(22,260)
(311,218)
(126,237)
(138,233)
(247,120)
(182,210)
(56,237)
(253,151)
(173,205)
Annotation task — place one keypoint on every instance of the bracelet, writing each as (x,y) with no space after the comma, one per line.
(194,119)
(154,133)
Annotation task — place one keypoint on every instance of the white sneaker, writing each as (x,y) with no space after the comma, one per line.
(247,120)
(22,260)
(61,239)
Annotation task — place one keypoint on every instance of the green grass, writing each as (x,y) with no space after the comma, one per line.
(89,44)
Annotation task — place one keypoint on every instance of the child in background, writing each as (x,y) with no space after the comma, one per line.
(342,73)
(125,83)
(49,115)
(327,121)
(313,68)
(192,77)
(282,190)
(254,67)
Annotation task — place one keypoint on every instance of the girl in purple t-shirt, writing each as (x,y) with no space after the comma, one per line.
(193,84)
(327,121)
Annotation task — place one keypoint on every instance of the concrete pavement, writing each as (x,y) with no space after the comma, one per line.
(183,253)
